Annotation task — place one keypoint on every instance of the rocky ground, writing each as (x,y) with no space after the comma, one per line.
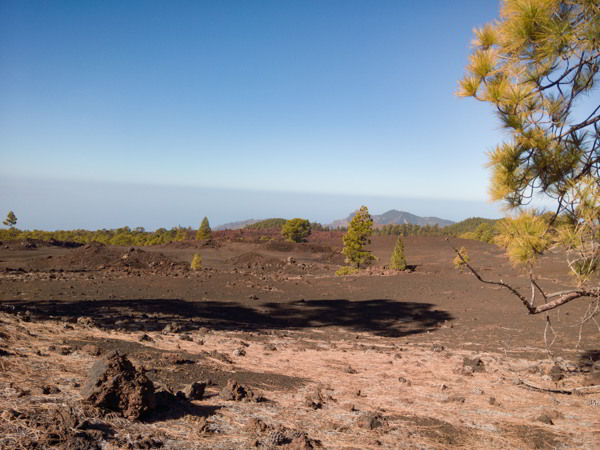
(116,347)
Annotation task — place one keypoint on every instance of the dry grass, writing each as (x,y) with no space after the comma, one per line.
(423,399)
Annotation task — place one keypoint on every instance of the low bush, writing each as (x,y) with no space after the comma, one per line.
(196,262)
(346,270)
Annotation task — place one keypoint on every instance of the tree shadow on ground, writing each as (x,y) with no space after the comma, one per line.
(383,317)
(169,407)
(588,358)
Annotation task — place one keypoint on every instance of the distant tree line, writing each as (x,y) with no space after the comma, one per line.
(280,223)
(473,228)
(119,236)
(276,222)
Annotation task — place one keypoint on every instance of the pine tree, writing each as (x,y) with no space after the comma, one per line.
(296,230)
(535,65)
(358,235)
(204,232)
(398,259)
(11,219)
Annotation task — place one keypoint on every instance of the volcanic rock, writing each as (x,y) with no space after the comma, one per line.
(114,383)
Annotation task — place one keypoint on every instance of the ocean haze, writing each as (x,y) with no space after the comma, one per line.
(59,204)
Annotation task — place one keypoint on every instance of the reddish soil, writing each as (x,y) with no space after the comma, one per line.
(273,317)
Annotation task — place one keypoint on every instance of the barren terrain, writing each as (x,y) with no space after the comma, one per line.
(425,358)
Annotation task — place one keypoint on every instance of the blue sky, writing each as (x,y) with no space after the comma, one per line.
(157,113)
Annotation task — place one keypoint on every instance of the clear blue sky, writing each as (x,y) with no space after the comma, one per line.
(157,113)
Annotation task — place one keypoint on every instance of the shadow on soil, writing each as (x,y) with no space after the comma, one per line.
(589,357)
(171,408)
(382,317)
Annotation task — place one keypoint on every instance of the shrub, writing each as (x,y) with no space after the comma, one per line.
(398,259)
(346,270)
(460,262)
(196,262)
(296,230)
(181,234)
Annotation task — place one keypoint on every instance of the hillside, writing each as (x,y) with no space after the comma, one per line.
(235,225)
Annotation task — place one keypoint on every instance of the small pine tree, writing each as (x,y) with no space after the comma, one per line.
(204,232)
(196,261)
(398,259)
(11,219)
(461,259)
(359,231)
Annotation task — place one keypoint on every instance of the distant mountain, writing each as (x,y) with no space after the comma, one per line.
(235,225)
(394,217)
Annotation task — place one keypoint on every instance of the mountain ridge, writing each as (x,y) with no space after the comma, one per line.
(391,217)
(394,217)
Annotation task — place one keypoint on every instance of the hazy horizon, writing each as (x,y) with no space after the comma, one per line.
(60,204)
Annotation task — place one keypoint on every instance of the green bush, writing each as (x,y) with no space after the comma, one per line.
(296,230)
(196,262)
(181,234)
(346,270)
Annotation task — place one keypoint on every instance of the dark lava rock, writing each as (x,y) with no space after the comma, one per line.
(371,421)
(219,356)
(143,442)
(545,418)
(172,327)
(113,383)
(65,350)
(238,393)
(277,438)
(555,373)
(455,399)
(474,363)
(303,442)
(91,350)
(194,391)
(350,370)
(49,390)
(593,379)
(404,380)
(257,426)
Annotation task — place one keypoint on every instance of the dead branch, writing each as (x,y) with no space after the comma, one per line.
(556,391)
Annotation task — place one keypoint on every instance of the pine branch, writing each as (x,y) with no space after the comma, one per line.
(564,296)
